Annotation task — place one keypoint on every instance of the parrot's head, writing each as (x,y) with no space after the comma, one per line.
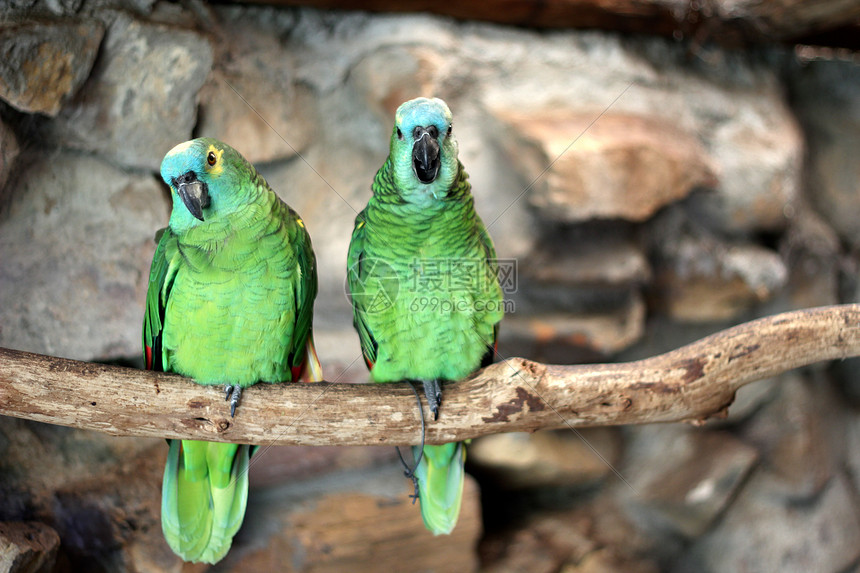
(424,150)
(208,180)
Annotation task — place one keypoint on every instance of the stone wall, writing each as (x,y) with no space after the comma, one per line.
(652,192)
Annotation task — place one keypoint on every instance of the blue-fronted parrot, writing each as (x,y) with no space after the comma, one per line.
(422,272)
(230,302)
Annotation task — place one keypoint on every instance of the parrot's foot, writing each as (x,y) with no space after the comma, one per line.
(232,392)
(410,472)
(433,391)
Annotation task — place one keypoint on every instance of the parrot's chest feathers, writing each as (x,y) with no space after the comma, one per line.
(439,321)
(225,320)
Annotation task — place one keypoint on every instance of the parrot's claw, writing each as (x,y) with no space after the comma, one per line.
(410,472)
(433,391)
(232,392)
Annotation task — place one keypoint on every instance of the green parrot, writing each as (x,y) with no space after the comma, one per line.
(230,301)
(422,275)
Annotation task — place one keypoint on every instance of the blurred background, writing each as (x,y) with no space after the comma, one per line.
(658,169)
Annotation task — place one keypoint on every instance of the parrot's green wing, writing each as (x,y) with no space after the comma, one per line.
(493,262)
(161,276)
(355,280)
(306,292)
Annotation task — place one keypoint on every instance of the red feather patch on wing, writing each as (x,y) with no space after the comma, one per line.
(296,372)
(149,358)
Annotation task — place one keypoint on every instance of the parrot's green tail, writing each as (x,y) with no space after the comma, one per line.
(440,485)
(203,497)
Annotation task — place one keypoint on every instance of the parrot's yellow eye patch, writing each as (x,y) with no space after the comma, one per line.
(213,160)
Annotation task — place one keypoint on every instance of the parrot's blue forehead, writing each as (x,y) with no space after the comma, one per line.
(423,111)
(192,156)
(178,160)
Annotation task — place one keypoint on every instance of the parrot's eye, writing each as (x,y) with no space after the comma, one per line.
(399,134)
(450,128)
(211,159)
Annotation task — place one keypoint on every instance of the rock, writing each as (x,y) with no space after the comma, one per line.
(141,99)
(847,375)
(391,75)
(281,465)
(728,105)
(111,521)
(39,459)
(749,399)
(847,371)
(759,157)
(604,332)
(324,63)
(27,547)
(43,63)
(811,249)
(701,279)
(800,437)
(593,534)
(100,493)
(607,561)
(761,532)
(681,479)
(264,121)
(253,101)
(617,167)
(778,21)
(595,254)
(539,545)
(9,150)
(14,8)
(546,458)
(61,7)
(826,94)
(76,245)
(358,520)
(852,450)
(577,294)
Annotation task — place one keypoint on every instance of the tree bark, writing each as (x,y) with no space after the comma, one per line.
(725,21)
(691,383)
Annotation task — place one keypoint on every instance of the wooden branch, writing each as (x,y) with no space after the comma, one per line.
(728,22)
(692,383)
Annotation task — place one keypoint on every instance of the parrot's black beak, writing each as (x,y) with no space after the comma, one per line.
(425,154)
(193,192)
